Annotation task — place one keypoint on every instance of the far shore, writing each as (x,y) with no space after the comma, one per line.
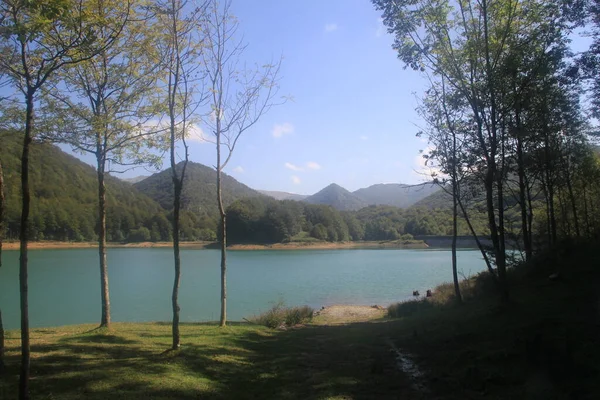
(48,245)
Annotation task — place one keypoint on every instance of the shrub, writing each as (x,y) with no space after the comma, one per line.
(408,308)
(280,315)
(407,237)
(141,234)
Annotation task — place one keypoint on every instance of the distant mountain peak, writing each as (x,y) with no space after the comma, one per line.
(337,197)
(396,194)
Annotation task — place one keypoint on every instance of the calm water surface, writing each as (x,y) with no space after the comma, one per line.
(64,285)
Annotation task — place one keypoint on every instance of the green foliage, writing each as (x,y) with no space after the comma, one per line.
(64,197)
(319,232)
(140,235)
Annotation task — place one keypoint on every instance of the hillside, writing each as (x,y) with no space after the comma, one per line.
(283,195)
(396,194)
(64,197)
(200,189)
(339,198)
(439,199)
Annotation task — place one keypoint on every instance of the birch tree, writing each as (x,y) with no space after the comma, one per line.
(239,97)
(102,106)
(180,52)
(38,39)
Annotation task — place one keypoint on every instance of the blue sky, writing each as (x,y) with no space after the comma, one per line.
(352,118)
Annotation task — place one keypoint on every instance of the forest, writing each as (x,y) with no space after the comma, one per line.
(510,116)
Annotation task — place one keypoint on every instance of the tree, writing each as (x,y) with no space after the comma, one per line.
(469,45)
(239,98)
(1,241)
(100,106)
(38,39)
(447,152)
(180,62)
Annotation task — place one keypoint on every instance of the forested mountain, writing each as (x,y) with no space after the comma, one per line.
(199,198)
(339,198)
(396,194)
(64,193)
(439,199)
(277,195)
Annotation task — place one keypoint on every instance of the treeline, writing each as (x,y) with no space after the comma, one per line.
(264,220)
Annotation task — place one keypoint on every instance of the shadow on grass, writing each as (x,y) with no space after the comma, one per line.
(238,362)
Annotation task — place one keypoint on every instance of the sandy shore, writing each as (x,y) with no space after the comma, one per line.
(330,246)
(202,245)
(341,314)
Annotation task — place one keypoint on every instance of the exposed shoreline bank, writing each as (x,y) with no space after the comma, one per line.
(52,245)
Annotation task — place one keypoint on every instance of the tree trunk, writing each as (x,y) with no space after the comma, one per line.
(496,231)
(1,240)
(454,235)
(2,366)
(522,198)
(479,244)
(1,211)
(177,258)
(455,196)
(23,260)
(573,204)
(105,319)
(586,217)
(223,319)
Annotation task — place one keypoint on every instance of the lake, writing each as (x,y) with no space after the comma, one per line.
(64,285)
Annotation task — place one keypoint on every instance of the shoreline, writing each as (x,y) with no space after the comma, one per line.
(56,245)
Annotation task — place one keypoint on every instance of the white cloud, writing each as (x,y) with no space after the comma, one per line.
(313,165)
(196,134)
(295,180)
(331,27)
(364,137)
(293,167)
(282,129)
(238,169)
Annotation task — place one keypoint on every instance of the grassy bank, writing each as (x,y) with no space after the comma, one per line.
(542,345)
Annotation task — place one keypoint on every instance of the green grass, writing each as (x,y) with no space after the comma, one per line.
(542,345)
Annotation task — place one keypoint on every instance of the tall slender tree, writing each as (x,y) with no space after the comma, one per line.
(102,106)
(38,39)
(238,99)
(180,54)
(1,242)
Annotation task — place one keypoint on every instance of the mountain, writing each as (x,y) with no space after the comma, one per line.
(64,196)
(396,194)
(199,189)
(337,197)
(283,195)
(135,179)
(439,199)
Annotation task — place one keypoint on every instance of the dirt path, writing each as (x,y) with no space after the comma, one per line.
(341,314)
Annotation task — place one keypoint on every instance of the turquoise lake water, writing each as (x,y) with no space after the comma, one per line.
(64,285)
